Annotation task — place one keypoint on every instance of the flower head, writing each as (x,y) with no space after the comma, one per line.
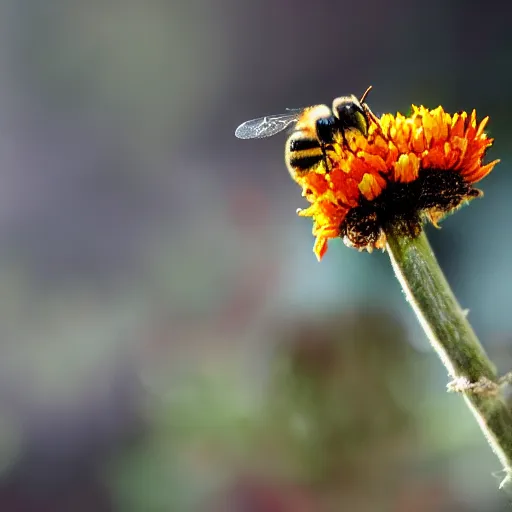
(406,169)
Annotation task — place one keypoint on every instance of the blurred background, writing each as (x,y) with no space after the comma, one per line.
(168,341)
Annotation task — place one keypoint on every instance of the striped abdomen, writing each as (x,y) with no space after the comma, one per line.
(302,152)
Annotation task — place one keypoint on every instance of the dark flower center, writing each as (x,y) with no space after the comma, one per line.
(435,192)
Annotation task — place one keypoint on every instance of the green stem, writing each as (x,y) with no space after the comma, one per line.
(451,335)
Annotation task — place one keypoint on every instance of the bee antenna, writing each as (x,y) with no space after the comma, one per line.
(363,97)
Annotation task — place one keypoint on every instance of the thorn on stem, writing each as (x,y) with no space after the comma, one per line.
(483,386)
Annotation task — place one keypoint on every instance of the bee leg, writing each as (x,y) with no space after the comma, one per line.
(325,127)
(344,139)
(324,153)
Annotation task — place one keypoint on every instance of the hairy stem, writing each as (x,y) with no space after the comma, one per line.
(452,337)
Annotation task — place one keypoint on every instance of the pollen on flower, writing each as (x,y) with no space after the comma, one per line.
(405,169)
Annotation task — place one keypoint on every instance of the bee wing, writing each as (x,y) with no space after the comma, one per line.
(268,125)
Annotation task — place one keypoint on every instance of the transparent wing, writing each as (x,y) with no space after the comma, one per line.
(268,125)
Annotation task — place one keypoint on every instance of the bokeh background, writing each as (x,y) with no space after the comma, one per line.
(168,341)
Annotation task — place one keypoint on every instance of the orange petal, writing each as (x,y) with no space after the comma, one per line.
(481,127)
(370,187)
(320,248)
(407,168)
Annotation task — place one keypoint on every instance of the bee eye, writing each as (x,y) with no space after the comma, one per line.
(325,127)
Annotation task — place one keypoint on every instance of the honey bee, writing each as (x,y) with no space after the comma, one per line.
(314,129)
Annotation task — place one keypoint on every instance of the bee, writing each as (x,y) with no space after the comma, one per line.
(314,129)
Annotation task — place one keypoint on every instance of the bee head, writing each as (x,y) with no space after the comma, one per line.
(350,113)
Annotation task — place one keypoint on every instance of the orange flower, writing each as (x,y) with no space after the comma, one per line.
(407,169)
